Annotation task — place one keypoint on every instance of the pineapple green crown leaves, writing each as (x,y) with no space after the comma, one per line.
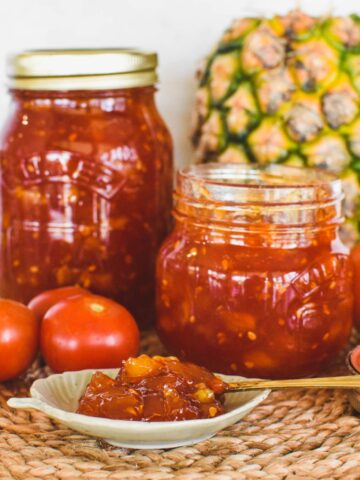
(284,89)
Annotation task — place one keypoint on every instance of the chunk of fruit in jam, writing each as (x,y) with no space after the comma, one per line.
(154,389)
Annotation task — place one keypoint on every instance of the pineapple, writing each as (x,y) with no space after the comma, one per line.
(286,90)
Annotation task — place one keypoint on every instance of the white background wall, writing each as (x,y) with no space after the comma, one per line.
(181,31)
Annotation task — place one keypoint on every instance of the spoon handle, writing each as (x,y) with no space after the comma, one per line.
(325,382)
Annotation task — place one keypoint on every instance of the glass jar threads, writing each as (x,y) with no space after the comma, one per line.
(254,280)
(86,169)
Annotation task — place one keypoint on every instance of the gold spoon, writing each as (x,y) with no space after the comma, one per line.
(325,382)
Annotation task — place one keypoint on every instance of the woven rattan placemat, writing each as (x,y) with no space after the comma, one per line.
(301,434)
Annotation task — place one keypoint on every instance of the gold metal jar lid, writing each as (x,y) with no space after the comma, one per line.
(82,69)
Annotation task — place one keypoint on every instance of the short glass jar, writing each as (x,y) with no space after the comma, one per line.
(86,176)
(253,280)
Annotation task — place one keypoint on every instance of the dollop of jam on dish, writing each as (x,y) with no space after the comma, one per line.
(154,389)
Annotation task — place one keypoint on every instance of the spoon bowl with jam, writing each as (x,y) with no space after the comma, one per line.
(150,402)
(156,402)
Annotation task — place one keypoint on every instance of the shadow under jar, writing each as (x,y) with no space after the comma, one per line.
(253,279)
(86,176)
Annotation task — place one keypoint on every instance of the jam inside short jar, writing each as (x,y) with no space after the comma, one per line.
(254,280)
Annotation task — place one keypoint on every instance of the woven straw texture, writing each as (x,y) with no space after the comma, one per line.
(300,434)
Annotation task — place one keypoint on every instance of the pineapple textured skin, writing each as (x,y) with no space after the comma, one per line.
(285,89)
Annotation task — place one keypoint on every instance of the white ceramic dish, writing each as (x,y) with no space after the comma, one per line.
(58,396)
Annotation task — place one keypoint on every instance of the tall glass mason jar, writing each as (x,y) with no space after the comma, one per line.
(254,280)
(86,176)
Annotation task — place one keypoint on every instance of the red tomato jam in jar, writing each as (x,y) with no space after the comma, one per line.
(86,176)
(254,280)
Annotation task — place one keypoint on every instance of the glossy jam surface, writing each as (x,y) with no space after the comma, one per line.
(85,194)
(154,389)
(256,283)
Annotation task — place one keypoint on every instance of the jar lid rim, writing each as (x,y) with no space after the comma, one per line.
(73,69)
(258,185)
(251,176)
(236,194)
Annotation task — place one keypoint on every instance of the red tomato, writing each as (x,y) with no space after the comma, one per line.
(355,257)
(19,336)
(88,332)
(45,300)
